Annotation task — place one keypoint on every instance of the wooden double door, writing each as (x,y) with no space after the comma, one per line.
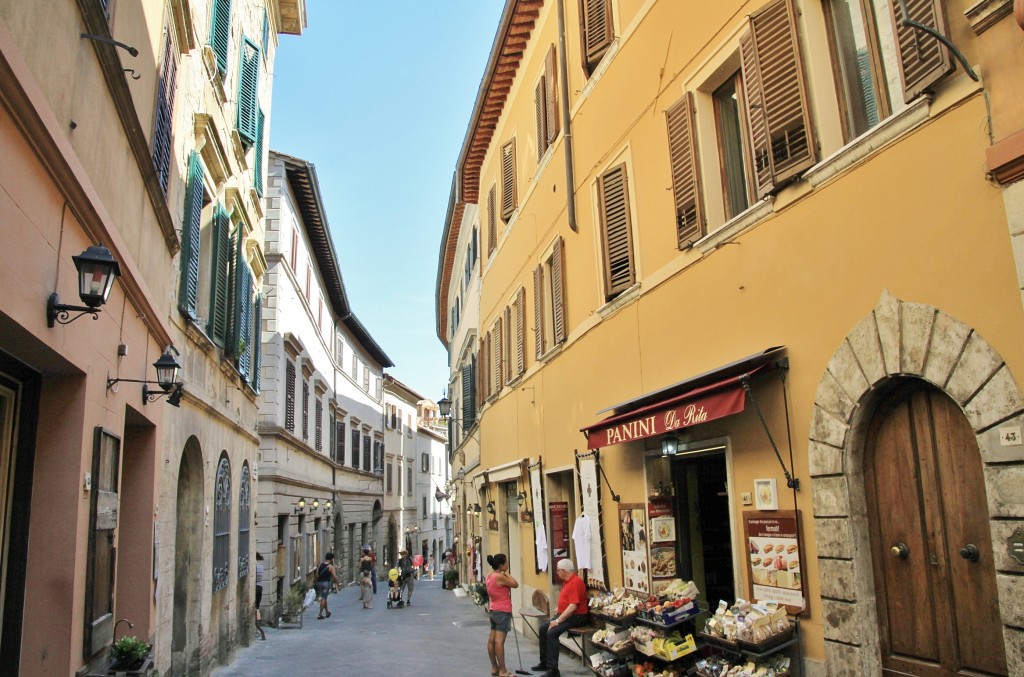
(931,548)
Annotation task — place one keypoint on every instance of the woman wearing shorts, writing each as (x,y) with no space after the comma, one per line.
(499,594)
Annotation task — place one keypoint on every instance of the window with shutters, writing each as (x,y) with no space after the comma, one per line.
(221,524)
(289,396)
(408,480)
(222,250)
(856,64)
(247,106)
(388,472)
(164,113)
(257,170)
(549,300)
(355,366)
(245,311)
(546,104)
(366,378)
(923,60)
(733,146)
(518,333)
(196,241)
(255,377)
(468,382)
(354,436)
(367,465)
(220,33)
(509,196)
(686,187)
(318,413)
(616,230)
(492,219)
(305,409)
(597,31)
(497,357)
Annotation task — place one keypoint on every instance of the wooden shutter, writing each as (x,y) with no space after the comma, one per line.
(245,308)
(506,344)
(520,331)
(164,115)
(558,290)
(686,189)
(247,110)
(776,97)
(220,33)
(539,105)
(492,220)
(597,30)
(289,396)
(189,289)
(613,199)
(923,59)
(220,282)
(508,180)
(236,302)
(498,352)
(538,311)
(551,94)
(467,397)
(488,374)
(481,389)
(257,178)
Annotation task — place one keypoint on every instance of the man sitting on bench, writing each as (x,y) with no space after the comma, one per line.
(572,612)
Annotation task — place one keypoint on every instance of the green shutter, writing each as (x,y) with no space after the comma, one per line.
(237,286)
(164,115)
(257,179)
(257,360)
(189,289)
(220,279)
(248,87)
(220,33)
(245,310)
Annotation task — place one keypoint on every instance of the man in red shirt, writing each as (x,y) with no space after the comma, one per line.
(572,612)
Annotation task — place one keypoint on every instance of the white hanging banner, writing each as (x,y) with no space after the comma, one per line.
(590,500)
(540,545)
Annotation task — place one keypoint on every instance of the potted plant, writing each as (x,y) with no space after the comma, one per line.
(291,608)
(451,579)
(130,656)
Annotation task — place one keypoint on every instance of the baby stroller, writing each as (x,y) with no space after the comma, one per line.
(395,590)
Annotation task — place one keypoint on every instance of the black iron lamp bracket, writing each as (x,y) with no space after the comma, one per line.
(60,313)
(791,482)
(173,392)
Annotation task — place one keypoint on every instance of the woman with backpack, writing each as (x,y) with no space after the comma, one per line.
(326,577)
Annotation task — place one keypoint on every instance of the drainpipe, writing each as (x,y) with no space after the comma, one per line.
(563,86)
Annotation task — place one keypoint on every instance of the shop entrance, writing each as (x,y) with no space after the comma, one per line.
(701,487)
(930,540)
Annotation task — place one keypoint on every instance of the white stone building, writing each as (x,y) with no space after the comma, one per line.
(321,420)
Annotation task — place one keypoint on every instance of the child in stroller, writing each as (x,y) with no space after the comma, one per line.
(395,590)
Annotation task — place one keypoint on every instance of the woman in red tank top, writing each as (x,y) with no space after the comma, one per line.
(499,595)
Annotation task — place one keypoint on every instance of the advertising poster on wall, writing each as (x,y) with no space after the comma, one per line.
(662,537)
(774,558)
(634,534)
(559,535)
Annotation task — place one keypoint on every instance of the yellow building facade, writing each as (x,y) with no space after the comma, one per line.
(744,267)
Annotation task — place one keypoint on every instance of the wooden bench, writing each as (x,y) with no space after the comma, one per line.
(579,636)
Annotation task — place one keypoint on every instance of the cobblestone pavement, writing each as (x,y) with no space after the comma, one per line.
(440,634)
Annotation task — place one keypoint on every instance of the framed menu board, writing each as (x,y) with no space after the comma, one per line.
(559,534)
(774,560)
(633,532)
(662,537)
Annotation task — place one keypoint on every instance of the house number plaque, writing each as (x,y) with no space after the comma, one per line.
(1016,545)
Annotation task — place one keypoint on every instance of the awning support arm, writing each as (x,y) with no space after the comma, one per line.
(791,482)
(615,497)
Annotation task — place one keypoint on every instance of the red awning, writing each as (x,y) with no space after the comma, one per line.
(699,405)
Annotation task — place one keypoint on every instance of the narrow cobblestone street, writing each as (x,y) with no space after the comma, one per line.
(440,634)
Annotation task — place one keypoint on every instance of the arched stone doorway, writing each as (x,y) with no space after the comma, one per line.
(896,344)
(188,558)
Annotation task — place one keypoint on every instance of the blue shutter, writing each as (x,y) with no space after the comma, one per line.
(266,33)
(189,290)
(164,115)
(257,338)
(220,282)
(220,33)
(257,179)
(248,87)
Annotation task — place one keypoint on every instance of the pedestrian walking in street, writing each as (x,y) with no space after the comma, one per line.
(430,567)
(572,612)
(365,585)
(326,578)
(405,567)
(373,569)
(499,594)
(259,594)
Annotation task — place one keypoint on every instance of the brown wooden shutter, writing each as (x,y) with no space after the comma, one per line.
(538,311)
(486,367)
(542,117)
(613,199)
(776,99)
(481,394)
(558,290)
(682,152)
(520,331)
(508,180)
(551,94)
(506,344)
(492,220)
(923,59)
(597,30)
(497,352)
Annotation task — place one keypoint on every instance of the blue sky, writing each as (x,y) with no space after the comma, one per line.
(378,97)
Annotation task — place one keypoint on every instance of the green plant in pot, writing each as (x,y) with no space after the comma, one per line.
(291,605)
(129,652)
(451,579)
